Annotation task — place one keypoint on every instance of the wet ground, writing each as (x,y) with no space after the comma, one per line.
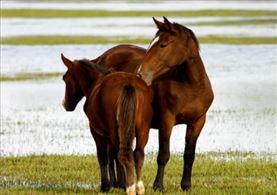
(242,117)
(143,27)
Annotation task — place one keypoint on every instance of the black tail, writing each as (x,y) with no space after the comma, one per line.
(126,107)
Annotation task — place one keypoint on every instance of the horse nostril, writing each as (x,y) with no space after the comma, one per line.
(139,75)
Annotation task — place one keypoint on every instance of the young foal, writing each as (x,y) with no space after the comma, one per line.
(118,106)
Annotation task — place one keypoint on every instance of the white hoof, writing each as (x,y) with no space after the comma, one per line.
(131,190)
(140,188)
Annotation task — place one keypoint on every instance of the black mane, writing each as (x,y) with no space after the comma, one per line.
(97,67)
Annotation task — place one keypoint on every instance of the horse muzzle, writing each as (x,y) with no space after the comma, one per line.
(67,107)
(147,77)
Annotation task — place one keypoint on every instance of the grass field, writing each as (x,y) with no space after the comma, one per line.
(213,173)
(57,40)
(40,13)
(29,76)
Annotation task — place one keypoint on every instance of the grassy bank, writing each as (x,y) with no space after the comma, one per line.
(213,173)
(42,13)
(238,23)
(29,76)
(57,40)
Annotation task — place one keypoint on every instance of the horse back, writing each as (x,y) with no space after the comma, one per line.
(101,106)
(125,58)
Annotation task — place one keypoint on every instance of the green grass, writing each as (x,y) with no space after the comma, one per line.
(29,76)
(241,22)
(42,13)
(56,40)
(240,173)
(237,40)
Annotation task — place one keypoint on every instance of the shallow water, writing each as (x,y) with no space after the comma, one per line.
(242,117)
(254,61)
(124,27)
(34,122)
(162,5)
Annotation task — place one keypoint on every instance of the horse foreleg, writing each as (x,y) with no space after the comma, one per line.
(193,131)
(102,156)
(164,153)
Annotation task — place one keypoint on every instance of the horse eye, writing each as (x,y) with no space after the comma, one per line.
(162,45)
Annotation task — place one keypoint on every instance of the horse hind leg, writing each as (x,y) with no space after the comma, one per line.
(139,158)
(142,138)
(120,175)
(193,131)
(127,162)
(112,158)
(117,178)
(102,156)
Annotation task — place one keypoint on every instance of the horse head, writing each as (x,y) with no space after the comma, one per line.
(173,45)
(73,91)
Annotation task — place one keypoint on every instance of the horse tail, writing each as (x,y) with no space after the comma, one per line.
(126,108)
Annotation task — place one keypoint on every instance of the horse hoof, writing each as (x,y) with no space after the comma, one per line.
(105,187)
(158,187)
(185,186)
(115,185)
(121,186)
(131,190)
(140,188)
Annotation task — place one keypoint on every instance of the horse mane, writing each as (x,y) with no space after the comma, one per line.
(186,30)
(97,67)
(189,31)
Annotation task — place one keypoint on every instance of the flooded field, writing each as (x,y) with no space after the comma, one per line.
(243,116)
(126,27)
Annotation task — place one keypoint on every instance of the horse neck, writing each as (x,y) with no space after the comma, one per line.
(87,81)
(195,72)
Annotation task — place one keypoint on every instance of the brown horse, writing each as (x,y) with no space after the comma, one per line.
(184,101)
(183,94)
(118,106)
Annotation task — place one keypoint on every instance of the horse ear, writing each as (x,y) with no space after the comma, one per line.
(159,24)
(166,21)
(169,25)
(68,63)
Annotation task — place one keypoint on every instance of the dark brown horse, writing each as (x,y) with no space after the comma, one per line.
(118,106)
(182,101)
(182,90)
